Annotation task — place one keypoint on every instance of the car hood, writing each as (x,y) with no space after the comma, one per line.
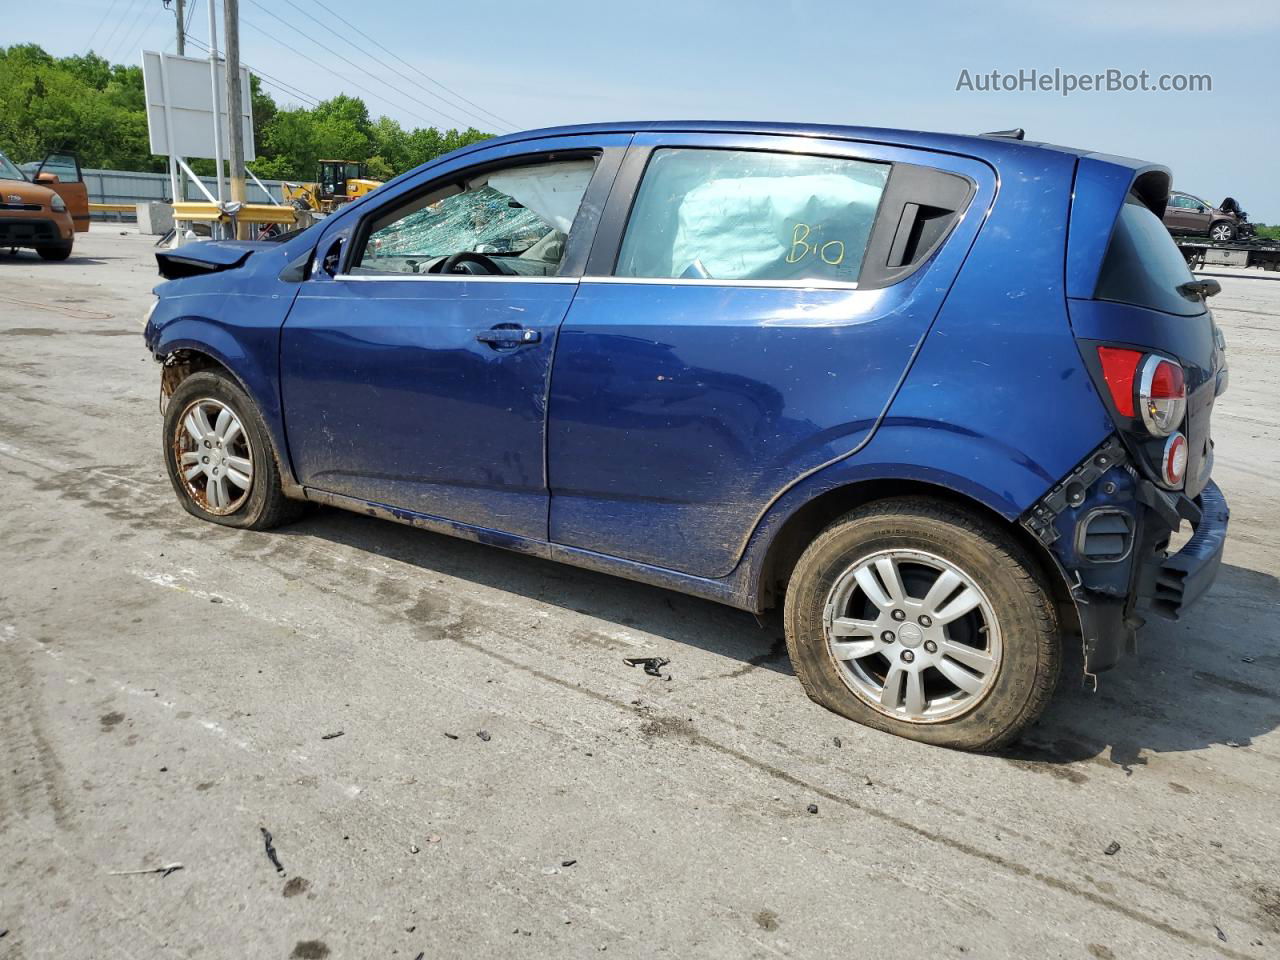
(210,256)
(26,192)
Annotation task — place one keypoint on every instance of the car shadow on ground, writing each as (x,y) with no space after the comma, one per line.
(683,619)
(33,259)
(1210,679)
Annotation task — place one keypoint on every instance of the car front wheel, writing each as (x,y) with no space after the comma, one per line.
(55,251)
(219,459)
(918,618)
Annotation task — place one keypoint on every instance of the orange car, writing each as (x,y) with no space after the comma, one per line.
(45,214)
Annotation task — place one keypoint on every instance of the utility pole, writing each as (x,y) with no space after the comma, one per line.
(235,130)
(180,13)
(217,108)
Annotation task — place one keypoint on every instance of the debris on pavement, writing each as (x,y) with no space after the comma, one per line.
(434,838)
(163,871)
(837,741)
(451,736)
(484,735)
(1112,848)
(812,808)
(652,665)
(334,735)
(271,850)
(568,863)
(414,848)
(1221,936)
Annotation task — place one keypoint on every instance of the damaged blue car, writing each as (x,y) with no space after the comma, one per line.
(943,401)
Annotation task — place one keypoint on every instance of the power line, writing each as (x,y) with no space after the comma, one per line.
(335,53)
(329,69)
(94,36)
(267,78)
(404,76)
(124,46)
(106,44)
(137,38)
(495,116)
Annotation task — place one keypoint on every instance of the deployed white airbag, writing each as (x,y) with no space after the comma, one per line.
(753,226)
(551,190)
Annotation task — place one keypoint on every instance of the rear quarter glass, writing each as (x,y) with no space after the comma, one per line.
(1143,266)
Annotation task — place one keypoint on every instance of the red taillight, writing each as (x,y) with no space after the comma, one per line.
(1119,368)
(1173,465)
(1162,395)
(1145,386)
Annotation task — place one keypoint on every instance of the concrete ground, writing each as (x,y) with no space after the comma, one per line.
(168,688)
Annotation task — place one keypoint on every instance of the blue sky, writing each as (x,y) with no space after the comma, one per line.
(865,63)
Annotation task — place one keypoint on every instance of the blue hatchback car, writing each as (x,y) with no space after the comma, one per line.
(945,400)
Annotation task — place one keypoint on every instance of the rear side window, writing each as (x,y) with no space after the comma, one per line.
(1143,265)
(746,215)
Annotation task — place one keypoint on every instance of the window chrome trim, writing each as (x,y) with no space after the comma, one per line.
(712,282)
(467,277)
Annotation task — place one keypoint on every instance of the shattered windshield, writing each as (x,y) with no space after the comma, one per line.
(465,221)
(518,217)
(8,171)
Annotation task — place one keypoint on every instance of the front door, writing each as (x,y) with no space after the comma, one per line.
(414,374)
(60,172)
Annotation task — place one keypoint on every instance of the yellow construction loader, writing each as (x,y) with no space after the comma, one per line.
(339,182)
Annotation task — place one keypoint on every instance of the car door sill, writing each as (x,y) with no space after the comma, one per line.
(727,590)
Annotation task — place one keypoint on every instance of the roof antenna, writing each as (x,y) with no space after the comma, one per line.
(1017,133)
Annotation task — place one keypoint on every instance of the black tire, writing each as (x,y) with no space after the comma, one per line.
(1225,227)
(1028,669)
(265,505)
(58,251)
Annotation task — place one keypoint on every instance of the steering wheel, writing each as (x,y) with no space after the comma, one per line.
(468,262)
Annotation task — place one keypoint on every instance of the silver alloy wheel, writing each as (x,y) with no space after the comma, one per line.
(913,636)
(1220,232)
(213,456)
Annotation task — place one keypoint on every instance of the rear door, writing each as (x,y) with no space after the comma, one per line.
(69,185)
(750,305)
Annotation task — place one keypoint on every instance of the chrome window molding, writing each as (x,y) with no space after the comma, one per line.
(467,278)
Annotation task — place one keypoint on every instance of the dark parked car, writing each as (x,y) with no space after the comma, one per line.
(1186,215)
(846,372)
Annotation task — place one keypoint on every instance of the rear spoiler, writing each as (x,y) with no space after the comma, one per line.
(205,257)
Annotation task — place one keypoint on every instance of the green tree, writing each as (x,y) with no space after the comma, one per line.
(87,104)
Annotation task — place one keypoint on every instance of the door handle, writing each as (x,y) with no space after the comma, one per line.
(508,336)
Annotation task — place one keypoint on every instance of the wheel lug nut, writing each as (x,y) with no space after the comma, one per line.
(898,615)
(926,621)
(208,444)
(907,656)
(887,636)
(204,459)
(930,646)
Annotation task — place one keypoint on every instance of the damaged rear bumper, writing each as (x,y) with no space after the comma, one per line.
(1109,529)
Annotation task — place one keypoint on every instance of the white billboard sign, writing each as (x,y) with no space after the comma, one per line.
(181,88)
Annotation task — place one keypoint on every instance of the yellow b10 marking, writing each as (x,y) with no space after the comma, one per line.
(831,252)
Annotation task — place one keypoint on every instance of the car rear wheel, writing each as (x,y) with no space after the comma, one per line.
(1222,230)
(220,462)
(55,251)
(918,618)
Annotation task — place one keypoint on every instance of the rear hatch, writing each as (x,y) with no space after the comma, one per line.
(1146,306)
